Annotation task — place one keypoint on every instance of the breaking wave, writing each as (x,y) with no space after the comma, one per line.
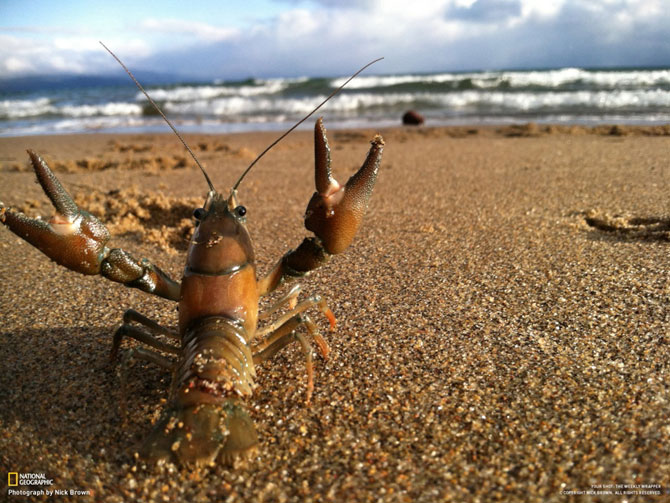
(565,95)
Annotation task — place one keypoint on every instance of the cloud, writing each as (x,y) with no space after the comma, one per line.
(195,30)
(359,4)
(429,37)
(486,11)
(326,38)
(579,33)
(62,54)
(16,65)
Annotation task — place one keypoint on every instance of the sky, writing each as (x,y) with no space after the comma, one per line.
(215,39)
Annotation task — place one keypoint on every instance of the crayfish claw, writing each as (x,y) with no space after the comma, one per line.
(53,188)
(72,238)
(334,213)
(323,177)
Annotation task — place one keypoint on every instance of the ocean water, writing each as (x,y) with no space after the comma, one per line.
(561,96)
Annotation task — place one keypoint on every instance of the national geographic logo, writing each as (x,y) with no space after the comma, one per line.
(28,479)
(37,484)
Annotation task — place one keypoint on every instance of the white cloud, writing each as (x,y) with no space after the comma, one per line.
(324,37)
(64,54)
(16,65)
(297,24)
(541,8)
(196,30)
(76,44)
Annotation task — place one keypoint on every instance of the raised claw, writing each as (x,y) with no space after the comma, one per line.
(77,240)
(72,237)
(334,213)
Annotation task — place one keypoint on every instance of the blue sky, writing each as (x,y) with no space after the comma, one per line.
(270,38)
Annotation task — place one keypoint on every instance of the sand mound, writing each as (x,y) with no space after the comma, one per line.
(630,227)
(150,216)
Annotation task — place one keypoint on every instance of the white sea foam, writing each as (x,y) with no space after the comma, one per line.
(194,93)
(539,78)
(563,76)
(18,109)
(374,81)
(247,106)
(561,95)
(121,109)
(521,101)
(527,101)
(15,109)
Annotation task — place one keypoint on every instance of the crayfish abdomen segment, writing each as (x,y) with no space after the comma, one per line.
(205,419)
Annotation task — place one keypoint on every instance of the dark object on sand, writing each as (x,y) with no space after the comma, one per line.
(412,118)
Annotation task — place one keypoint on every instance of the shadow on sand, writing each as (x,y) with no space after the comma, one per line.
(67,395)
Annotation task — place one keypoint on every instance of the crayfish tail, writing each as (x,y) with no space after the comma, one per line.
(199,435)
(242,438)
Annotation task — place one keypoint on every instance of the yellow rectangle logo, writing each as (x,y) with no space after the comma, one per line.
(13,476)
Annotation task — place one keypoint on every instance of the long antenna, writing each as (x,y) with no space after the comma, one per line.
(209,182)
(301,121)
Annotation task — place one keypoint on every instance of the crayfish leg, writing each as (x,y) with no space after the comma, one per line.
(284,335)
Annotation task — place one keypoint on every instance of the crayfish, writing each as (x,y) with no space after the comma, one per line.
(218,341)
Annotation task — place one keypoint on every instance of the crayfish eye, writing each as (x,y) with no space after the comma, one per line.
(199,213)
(240,211)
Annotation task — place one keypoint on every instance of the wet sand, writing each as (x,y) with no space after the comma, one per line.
(503,319)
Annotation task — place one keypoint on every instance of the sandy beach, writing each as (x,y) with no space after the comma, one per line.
(503,319)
